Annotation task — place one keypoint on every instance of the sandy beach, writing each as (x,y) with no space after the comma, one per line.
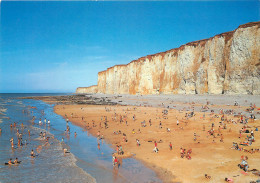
(152,121)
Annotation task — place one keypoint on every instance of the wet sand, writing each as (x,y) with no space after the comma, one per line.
(209,155)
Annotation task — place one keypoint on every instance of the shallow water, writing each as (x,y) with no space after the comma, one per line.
(85,163)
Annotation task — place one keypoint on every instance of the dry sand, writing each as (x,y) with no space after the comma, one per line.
(209,155)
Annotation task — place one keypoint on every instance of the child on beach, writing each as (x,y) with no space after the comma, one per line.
(155,147)
(138,142)
(115,161)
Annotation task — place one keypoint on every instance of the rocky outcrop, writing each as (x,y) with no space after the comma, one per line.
(90,89)
(228,63)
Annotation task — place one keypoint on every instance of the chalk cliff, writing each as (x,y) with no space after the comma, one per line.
(90,89)
(228,63)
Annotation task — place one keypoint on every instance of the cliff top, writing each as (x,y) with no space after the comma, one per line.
(87,87)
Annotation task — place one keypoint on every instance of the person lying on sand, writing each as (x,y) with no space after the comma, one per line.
(207,176)
(229,180)
(155,149)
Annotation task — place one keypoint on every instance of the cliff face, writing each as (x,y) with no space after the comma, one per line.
(90,89)
(227,63)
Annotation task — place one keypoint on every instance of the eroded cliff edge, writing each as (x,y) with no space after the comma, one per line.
(228,63)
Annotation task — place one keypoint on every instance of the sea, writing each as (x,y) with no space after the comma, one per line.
(85,162)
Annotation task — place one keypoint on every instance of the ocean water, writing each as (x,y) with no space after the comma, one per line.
(84,163)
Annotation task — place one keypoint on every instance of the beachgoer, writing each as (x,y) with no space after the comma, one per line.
(115,161)
(160,124)
(155,149)
(195,137)
(170,145)
(32,153)
(207,176)
(65,150)
(98,145)
(221,138)
(138,142)
(10,161)
(229,180)
(252,133)
(16,161)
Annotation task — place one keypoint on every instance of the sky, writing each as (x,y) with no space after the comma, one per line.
(58,46)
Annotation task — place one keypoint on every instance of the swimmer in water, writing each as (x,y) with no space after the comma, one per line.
(16,161)
(32,153)
(10,161)
(65,150)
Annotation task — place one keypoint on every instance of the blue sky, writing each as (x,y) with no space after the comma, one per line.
(58,46)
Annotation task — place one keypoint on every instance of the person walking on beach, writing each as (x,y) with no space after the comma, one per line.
(170,146)
(115,161)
